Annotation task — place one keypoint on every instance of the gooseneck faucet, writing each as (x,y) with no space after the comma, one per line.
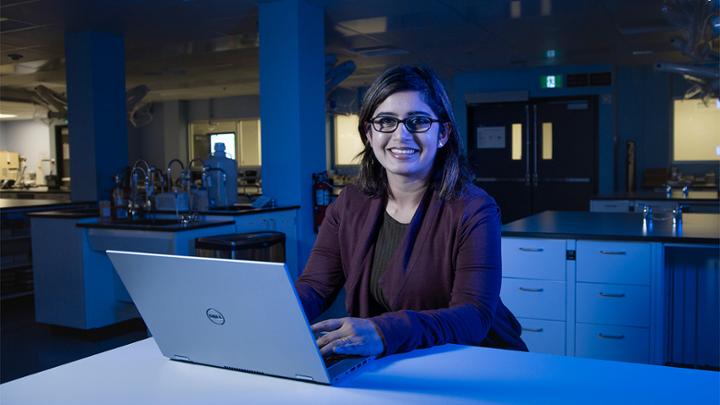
(169,172)
(133,206)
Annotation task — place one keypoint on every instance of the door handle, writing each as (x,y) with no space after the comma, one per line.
(613,252)
(616,337)
(608,295)
(531,289)
(524,249)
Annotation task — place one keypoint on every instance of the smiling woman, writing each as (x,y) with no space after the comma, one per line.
(415,245)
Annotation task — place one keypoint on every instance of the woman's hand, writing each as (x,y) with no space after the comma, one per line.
(355,336)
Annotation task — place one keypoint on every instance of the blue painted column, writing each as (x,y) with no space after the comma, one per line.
(292,107)
(97,112)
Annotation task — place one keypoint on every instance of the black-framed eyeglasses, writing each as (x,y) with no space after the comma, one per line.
(414,125)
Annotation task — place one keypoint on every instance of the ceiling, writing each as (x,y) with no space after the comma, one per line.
(190,49)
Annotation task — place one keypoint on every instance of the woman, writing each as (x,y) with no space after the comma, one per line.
(414,243)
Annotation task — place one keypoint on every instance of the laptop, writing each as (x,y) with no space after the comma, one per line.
(234,314)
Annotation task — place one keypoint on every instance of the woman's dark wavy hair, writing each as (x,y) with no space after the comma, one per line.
(449,172)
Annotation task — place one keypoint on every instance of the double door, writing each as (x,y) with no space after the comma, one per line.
(535,155)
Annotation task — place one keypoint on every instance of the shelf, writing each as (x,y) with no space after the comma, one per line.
(16,267)
(16,295)
(11,238)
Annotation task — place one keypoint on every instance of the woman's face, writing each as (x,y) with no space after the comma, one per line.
(404,153)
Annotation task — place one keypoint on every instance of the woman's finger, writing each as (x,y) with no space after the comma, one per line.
(327,325)
(328,338)
(333,346)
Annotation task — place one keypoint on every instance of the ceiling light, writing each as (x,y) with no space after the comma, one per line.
(515,9)
(7,115)
(550,53)
(362,26)
(545,7)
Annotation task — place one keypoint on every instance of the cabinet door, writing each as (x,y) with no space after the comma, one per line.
(613,304)
(613,262)
(543,336)
(540,299)
(533,258)
(623,343)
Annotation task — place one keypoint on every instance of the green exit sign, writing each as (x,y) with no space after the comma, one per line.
(552,81)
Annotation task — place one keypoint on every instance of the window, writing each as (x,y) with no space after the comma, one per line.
(227,138)
(241,137)
(347,140)
(696,130)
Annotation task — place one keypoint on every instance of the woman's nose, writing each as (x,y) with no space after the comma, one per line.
(401,132)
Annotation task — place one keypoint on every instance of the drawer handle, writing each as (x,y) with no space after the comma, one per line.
(621,295)
(613,252)
(616,337)
(531,289)
(524,249)
(532,329)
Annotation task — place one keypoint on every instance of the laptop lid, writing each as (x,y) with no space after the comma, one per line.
(235,314)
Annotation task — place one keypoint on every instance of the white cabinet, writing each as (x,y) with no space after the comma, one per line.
(600,299)
(534,289)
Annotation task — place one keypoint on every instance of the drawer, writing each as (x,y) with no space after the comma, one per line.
(609,206)
(623,343)
(613,262)
(528,298)
(534,258)
(542,336)
(613,304)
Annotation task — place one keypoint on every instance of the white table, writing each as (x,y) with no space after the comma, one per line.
(139,374)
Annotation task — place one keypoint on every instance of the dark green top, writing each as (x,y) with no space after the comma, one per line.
(389,238)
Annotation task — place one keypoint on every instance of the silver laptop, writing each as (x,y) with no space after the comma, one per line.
(240,315)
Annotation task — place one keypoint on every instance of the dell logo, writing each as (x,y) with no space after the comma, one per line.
(215,316)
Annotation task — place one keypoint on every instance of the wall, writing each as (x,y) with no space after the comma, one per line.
(637,107)
(30,138)
(528,79)
(166,137)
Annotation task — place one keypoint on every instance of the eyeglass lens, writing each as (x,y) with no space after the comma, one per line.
(413,124)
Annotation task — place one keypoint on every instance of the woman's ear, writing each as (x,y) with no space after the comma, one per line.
(444,134)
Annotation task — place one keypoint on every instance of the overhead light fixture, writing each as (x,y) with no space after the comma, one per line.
(380,51)
(550,54)
(515,9)
(7,115)
(361,26)
(545,7)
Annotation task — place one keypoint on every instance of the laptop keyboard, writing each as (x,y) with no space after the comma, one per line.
(335,358)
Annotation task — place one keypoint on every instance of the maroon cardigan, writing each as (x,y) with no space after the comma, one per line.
(442,283)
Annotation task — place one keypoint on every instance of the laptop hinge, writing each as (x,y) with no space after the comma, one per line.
(304,377)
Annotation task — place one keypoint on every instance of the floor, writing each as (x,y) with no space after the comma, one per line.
(27,347)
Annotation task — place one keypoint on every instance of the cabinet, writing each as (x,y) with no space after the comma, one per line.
(534,288)
(606,297)
(284,221)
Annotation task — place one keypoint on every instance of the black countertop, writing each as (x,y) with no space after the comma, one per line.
(694,228)
(40,189)
(14,203)
(66,214)
(710,196)
(240,210)
(154,227)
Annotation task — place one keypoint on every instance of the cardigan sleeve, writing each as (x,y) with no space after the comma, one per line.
(474,295)
(323,275)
